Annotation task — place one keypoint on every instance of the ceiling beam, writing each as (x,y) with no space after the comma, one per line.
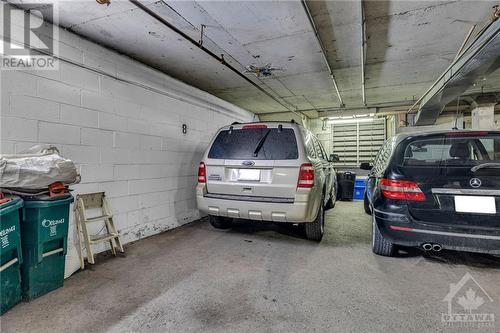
(323,51)
(363,42)
(220,58)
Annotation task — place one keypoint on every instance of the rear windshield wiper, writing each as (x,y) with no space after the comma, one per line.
(260,144)
(485,165)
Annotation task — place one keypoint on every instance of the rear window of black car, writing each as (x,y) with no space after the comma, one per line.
(453,150)
(240,144)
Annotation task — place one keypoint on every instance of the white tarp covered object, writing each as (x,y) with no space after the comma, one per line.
(36,168)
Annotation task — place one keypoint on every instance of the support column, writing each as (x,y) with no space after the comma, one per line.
(483,114)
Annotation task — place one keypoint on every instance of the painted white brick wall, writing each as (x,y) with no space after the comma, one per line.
(125,139)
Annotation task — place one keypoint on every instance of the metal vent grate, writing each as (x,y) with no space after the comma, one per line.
(358,142)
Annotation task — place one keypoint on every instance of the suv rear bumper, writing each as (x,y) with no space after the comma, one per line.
(415,234)
(301,209)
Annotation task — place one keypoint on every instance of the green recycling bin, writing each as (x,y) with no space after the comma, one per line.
(10,253)
(44,231)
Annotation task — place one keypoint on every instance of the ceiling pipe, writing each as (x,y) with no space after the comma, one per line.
(403,104)
(323,51)
(363,42)
(220,59)
(459,53)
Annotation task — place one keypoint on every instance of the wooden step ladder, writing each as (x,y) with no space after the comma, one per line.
(95,201)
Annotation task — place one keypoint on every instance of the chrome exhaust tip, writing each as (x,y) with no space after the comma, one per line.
(436,247)
(427,246)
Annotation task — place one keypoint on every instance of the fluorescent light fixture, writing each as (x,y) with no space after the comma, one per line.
(353,119)
(354,116)
(350,121)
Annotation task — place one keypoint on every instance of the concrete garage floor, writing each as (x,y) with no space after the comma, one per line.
(260,278)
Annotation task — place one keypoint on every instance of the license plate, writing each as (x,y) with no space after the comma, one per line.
(248,174)
(471,204)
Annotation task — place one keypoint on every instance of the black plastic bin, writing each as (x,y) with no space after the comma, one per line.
(345,180)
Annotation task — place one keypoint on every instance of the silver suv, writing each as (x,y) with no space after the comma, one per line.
(269,171)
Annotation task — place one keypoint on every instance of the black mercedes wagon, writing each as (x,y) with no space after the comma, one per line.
(436,190)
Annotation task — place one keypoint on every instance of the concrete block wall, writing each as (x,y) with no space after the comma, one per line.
(122,128)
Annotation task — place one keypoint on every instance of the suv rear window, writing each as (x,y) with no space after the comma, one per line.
(240,144)
(453,151)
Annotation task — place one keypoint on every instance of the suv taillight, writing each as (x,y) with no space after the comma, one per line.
(401,189)
(254,126)
(202,173)
(306,175)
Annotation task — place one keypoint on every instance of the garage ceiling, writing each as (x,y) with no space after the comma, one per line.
(408,44)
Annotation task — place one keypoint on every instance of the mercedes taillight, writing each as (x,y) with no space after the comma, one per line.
(401,190)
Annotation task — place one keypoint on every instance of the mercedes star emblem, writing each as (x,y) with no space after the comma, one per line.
(475,182)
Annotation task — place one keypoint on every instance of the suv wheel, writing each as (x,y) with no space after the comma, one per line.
(220,222)
(316,229)
(380,245)
(366,205)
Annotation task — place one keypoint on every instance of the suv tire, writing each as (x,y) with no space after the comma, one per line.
(220,222)
(316,229)
(380,245)
(366,205)
(331,202)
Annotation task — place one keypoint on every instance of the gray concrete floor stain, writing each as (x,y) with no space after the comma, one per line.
(259,278)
